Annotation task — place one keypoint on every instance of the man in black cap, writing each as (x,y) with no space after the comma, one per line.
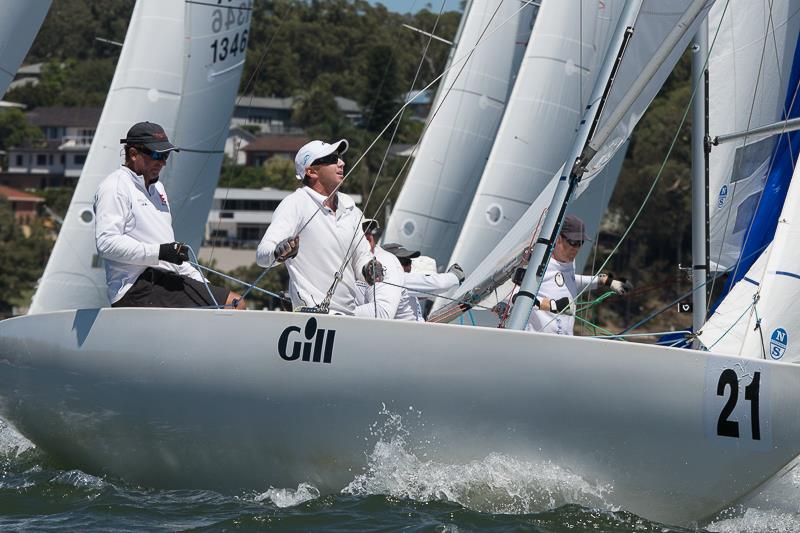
(561,285)
(145,266)
(423,284)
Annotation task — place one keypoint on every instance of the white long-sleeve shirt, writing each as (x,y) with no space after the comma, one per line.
(559,281)
(325,242)
(389,299)
(131,222)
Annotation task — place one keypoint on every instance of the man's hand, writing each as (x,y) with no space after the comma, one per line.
(563,306)
(287,248)
(619,285)
(173,252)
(373,272)
(456,269)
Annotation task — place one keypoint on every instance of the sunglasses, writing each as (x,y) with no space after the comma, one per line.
(574,244)
(152,154)
(330,159)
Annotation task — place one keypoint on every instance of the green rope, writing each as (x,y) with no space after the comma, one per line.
(596,328)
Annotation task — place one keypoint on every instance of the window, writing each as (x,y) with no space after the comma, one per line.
(41,160)
(20,160)
(80,159)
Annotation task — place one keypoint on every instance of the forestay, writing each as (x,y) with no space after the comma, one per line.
(752,83)
(180,67)
(18,26)
(567,46)
(662,32)
(472,98)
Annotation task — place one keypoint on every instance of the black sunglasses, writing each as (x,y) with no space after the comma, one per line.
(330,159)
(574,244)
(154,155)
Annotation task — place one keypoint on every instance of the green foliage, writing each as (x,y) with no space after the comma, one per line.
(70,83)
(22,260)
(15,129)
(277,173)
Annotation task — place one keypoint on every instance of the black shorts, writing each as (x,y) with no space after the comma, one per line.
(159,288)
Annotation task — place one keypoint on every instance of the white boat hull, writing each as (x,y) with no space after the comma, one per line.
(203,398)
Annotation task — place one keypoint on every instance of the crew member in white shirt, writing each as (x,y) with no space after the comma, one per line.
(422,284)
(144,265)
(560,285)
(388,298)
(328,224)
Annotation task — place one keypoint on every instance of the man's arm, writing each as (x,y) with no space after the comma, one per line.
(382,299)
(422,285)
(285,224)
(111,208)
(582,281)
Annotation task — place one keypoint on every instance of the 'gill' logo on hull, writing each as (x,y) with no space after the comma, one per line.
(318,345)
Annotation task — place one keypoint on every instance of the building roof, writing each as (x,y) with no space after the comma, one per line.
(34,69)
(15,195)
(264,102)
(87,117)
(345,105)
(277,143)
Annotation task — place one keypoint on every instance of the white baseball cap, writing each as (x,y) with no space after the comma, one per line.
(312,151)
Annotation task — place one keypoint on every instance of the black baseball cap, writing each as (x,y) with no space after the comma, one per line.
(398,250)
(151,136)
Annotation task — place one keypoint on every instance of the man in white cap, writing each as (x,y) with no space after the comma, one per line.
(144,265)
(560,285)
(329,222)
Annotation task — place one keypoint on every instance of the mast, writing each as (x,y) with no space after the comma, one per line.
(567,183)
(700,261)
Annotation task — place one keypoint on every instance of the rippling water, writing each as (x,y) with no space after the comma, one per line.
(397,491)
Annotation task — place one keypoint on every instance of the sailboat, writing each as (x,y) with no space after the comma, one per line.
(217,398)
(180,67)
(465,116)
(18,27)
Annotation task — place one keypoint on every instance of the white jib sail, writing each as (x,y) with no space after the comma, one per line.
(555,80)
(177,68)
(656,25)
(749,70)
(19,23)
(771,325)
(473,94)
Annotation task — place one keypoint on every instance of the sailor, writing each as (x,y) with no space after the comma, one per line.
(145,266)
(329,221)
(560,285)
(387,298)
(423,284)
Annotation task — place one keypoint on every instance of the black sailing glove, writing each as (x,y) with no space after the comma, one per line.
(173,252)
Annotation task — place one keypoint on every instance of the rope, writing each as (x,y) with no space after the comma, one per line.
(239,281)
(658,174)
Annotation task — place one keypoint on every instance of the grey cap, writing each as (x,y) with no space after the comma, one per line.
(398,250)
(574,229)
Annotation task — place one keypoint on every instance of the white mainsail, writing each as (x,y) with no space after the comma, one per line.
(180,67)
(555,80)
(472,97)
(19,24)
(749,72)
(662,32)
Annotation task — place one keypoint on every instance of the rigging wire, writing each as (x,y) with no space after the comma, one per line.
(657,178)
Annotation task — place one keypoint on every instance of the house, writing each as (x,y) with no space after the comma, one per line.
(68,133)
(274,115)
(23,204)
(262,148)
(237,141)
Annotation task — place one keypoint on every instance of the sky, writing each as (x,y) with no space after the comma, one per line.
(404,6)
